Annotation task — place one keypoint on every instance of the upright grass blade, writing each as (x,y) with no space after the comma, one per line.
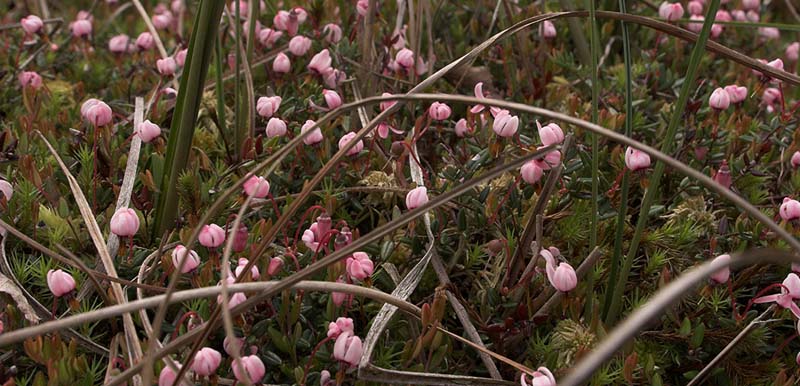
(238,126)
(201,45)
(666,147)
(220,86)
(595,53)
(623,199)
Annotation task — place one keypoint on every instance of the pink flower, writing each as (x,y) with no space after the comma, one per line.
(695,27)
(695,7)
(321,62)
(505,124)
(276,127)
(268,37)
(723,175)
(348,349)
(60,282)
(81,28)
(724,274)
(30,79)
(719,99)
(776,64)
(722,15)
(314,137)
(233,346)
(383,130)
(145,41)
(275,266)
(162,20)
(299,45)
(148,131)
(176,6)
(300,14)
(268,106)
(404,58)
(332,98)
(636,159)
(790,292)
(561,277)
(252,365)
(281,64)
(739,15)
(242,263)
(333,77)
(167,66)
(240,238)
(478,90)
(342,325)
(790,209)
(191,260)
(385,105)
(550,134)
(362,7)
(31,24)
(462,128)
(6,189)
(736,93)
(795,159)
(416,197)
(286,21)
(338,297)
(769,33)
(124,222)
(771,96)
(346,140)
(119,44)
(325,378)
(547,30)
(211,236)
(531,172)
(332,33)
(753,16)
(257,187)
(670,11)
(751,4)
(439,111)
(792,51)
(167,377)
(206,361)
(550,160)
(541,377)
(96,112)
(359,266)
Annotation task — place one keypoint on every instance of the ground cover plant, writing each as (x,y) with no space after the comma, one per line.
(332,192)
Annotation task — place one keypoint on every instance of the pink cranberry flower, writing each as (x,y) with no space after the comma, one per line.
(96,112)
(547,29)
(385,105)
(31,24)
(478,90)
(719,99)
(314,137)
(698,25)
(341,326)
(167,377)
(404,58)
(252,365)
(550,134)
(167,66)
(790,292)
(233,346)
(276,127)
(206,361)
(338,297)
(795,161)
(562,276)
(505,124)
(724,274)
(439,111)
(332,33)
(145,41)
(346,140)
(723,175)
(416,197)
(163,20)
(30,79)
(362,7)
(124,222)
(268,106)
(769,33)
(790,209)
(299,45)
(332,98)
(321,62)
(736,93)
(695,7)
(348,349)
(191,259)
(541,377)
(119,44)
(81,28)
(211,236)
(359,266)
(240,238)
(148,131)
(550,160)
(333,77)
(6,189)
(242,263)
(281,64)
(275,266)
(256,186)
(670,11)
(636,159)
(462,128)
(268,37)
(751,4)
(60,283)
(531,172)
(792,51)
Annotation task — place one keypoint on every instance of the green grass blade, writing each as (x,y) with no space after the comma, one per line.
(594,40)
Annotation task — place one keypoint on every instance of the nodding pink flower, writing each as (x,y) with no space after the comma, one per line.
(346,140)
(176,6)
(81,28)
(541,377)
(300,13)
(60,282)
(258,27)
(695,27)
(531,172)
(281,20)
(96,112)
(314,137)
(124,222)
(776,64)
(790,209)
(145,41)
(769,33)
(119,44)
(738,15)
(751,4)
(167,66)
(268,106)
(790,292)
(439,111)
(478,90)
(169,92)
(332,98)
(148,131)
(233,346)
(736,93)
(792,52)
(416,197)
(399,38)
(256,186)
(359,266)
(275,266)
(339,297)
(332,33)
(242,263)
(695,8)
(752,16)
(724,274)
(333,77)
(236,299)
(550,160)
(252,365)
(362,7)
(636,159)
(547,29)
(180,57)
(771,96)
(31,24)
(723,175)
(240,238)
(268,37)
(723,15)
(325,378)
(281,64)
(716,30)
(167,377)
(162,20)
(421,67)
(719,99)
(670,11)
(211,236)
(404,58)
(386,105)
(348,349)
(6,189)
(206,361)
(276,127)
(550,134)
(299,45)
(30,79)
(462,128)
(321,62)
(562,276)
(795,159)
(192,260)
(341,326)
(505,124)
